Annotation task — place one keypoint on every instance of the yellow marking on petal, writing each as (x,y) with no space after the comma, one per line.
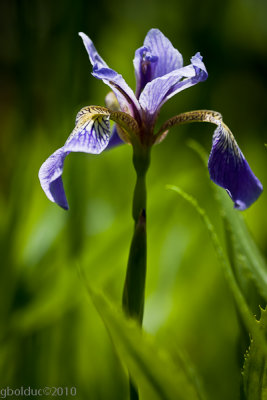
(91,112)
(92,117)
(125,120)
(223,133)
(191,116)
(96,114)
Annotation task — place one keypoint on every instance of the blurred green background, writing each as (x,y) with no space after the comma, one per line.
(50,331)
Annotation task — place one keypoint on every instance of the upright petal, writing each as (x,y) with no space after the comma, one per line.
(169,59)
(126,98)
(94,57)
(229,169)
(144,64)
(115,81)
(157,92)
(50,178)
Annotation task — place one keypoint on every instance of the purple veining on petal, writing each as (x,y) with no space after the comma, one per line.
(169,59)
(200,75)
(58,193)
(115,139)
(115,81)
(50,178)
(126,98)
(94,57)
(229,169)
(144,65)
(157,92)
(92,136)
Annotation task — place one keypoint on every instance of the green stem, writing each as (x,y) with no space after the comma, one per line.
(134,286)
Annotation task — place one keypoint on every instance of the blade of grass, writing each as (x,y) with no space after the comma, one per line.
(255,371)
(247,317)
(253,263)
(151,368)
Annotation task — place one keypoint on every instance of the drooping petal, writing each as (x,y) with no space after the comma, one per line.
(169,59)
(115,81)
(50,178)
(229,169)
(157,92)
(90,135)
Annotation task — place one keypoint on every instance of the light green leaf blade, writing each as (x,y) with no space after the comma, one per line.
(151,368)
(247,317)
(255,368)
(253,264)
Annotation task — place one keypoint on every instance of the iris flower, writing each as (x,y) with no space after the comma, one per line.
(160,74)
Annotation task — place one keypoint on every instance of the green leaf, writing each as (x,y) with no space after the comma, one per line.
(244,248)
(247,317)
(255,368)
(253,263)
(150,367)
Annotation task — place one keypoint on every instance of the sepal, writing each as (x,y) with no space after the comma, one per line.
(229,169)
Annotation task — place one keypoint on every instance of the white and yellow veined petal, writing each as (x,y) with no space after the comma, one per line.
(91,135)
(92,131)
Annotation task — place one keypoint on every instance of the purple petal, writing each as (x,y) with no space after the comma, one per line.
(50,178)
(229,169)
(169,59)
(94,57)
(144,65)
(157,92)
(90,135)
(126,98)
(115,139)
(200,75)
(115,81)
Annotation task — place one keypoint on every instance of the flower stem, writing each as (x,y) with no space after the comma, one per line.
(134,286)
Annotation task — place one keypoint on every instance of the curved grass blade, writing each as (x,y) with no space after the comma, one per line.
(151,369)
(253,264)
(255,367)
(248,319)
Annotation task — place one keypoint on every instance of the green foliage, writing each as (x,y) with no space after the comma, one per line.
(242,249)
(50,333)
(251,261)
(255,369)
(243,309)
(245,263)
(150,367)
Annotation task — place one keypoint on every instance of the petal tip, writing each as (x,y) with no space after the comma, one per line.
(229,169)
(58,194)
(51,179)
(83,35)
